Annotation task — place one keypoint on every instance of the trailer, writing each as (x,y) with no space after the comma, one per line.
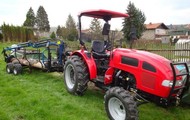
(47,55)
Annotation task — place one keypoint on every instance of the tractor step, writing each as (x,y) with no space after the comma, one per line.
(100,79)
(102,86)
(99,82)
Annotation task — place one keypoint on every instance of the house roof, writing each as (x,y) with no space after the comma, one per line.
(151,26)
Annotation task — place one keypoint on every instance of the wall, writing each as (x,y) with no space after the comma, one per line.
(160,32)
(148,35)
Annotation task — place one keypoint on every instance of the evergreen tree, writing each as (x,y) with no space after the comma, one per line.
(1,36)
(64,32)
(16,33)
(135,23)
(71,30)
(30,18)
(96,29)
(42,20)
(52,36)
(58,31)
(3,27)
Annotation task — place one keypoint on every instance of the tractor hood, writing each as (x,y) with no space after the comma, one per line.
(160,63)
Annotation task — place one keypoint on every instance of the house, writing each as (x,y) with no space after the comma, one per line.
(156,31)
(179,31)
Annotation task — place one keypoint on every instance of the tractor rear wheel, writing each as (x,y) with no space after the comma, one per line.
(76,75)
(120,104)
(9,68)
(17,69)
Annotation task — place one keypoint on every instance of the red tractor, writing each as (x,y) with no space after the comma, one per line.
(128,76)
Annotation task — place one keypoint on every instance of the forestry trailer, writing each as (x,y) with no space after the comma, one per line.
(35,55)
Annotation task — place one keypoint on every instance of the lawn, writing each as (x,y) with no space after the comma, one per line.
(42,96)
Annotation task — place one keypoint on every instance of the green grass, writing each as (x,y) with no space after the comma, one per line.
(42,96)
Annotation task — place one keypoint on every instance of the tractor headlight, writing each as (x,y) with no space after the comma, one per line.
(169,83)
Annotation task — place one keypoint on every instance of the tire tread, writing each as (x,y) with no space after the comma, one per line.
(128,101)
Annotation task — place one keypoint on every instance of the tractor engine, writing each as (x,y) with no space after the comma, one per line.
(125,80)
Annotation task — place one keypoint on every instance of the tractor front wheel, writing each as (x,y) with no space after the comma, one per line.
(120,104)
(76,75)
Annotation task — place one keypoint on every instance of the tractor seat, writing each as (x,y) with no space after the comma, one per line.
(98,49)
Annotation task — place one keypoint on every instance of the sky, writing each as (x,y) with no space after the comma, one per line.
(156,11)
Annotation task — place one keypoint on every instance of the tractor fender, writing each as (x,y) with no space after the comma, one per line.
(109,75)
(89,60)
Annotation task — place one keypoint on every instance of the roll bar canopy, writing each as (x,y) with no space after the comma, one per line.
(100,14)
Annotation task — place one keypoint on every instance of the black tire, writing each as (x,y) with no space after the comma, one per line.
(9,68)
(76,75)
(17,69)
(120,104)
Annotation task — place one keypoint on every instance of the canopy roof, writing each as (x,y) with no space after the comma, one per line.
(102,14)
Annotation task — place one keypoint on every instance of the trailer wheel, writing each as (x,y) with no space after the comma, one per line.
(17,69)
(9,68)
(120,104)
(76,75)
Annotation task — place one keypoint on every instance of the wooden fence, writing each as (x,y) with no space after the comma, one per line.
(175,52)
(174,55)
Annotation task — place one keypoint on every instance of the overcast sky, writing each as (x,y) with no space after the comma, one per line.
(156,11)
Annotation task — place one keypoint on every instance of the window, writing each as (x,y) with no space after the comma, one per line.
(129,61)
(148,67)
